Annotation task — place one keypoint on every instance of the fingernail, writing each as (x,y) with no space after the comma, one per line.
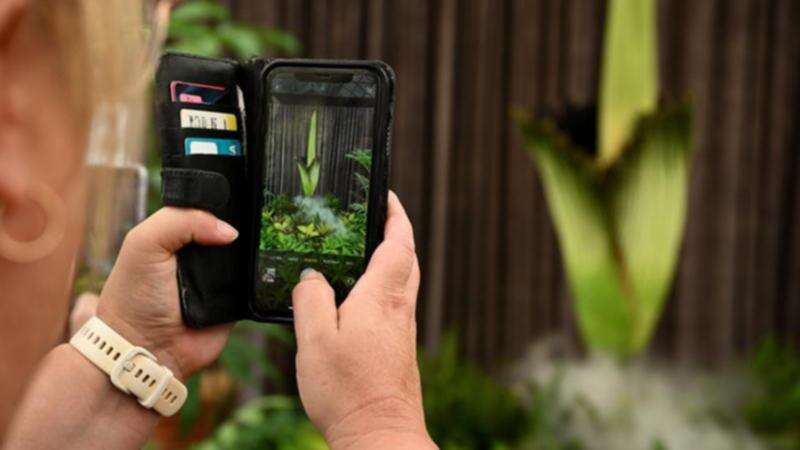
(226,230)
(307,273)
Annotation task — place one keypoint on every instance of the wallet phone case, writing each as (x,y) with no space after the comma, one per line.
(216,283)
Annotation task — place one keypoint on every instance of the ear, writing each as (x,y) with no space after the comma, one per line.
(14,168)
(11,14)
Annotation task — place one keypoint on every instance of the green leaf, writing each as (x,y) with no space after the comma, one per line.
(243,40)
(305,180)
(206,45)
(180,30)
(619,230)
(363,181)
(201,10)
(584,234)
(313,176)
(648,196)
(629,78)
(281,42)
(239,357)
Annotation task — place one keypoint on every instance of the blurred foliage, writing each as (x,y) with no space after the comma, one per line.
(620,214)
(464,407)
(267,423)
(775,410)
(549,420)
(243,358)
(206,28)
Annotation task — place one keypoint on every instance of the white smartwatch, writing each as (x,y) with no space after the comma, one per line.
(132,369)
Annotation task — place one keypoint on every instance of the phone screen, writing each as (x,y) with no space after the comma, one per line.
(317,168)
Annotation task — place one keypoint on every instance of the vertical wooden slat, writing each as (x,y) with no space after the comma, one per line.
(523,195)
(408,22)
(491,115)
(749,304)
(785,97)
(470,182)
(436,269)
(319,28)
(375,35)
(295,18)
(691,285)
(260,12)
(344,29)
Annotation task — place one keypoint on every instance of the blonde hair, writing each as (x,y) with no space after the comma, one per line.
(102,46)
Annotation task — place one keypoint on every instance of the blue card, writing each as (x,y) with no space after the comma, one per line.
(210,146)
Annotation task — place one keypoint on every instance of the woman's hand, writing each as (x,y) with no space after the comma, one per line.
(140,302)
(140,299)
(357,366)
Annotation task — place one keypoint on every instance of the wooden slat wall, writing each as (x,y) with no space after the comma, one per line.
(488,250)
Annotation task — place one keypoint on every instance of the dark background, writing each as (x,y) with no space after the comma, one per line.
(488,251)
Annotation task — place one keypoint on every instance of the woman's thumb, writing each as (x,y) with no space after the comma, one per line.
(169,229)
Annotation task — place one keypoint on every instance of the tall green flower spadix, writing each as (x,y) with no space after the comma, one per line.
(629,78)
(619,215)
(309,168)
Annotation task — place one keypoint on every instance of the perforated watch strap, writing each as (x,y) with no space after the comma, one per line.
(132,369)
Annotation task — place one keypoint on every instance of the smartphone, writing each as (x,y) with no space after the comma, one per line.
(324,170)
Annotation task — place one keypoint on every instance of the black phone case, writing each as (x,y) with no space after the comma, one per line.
(216,284)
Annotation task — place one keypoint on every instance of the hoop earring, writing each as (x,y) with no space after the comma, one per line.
(24,252)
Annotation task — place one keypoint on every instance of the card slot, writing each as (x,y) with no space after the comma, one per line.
(222,139)
(230,109)
(209,120)
(173,140)
(170,114)
(203,91)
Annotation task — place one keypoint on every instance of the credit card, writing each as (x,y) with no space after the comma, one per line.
(210,146)
(201,94)
(208,120)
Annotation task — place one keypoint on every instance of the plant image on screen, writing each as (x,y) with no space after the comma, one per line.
(311,223)
(318,160)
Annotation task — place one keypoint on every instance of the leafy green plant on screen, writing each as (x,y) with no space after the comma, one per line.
(363,158)
(619,212)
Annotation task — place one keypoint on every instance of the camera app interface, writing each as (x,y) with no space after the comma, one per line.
(317,160)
